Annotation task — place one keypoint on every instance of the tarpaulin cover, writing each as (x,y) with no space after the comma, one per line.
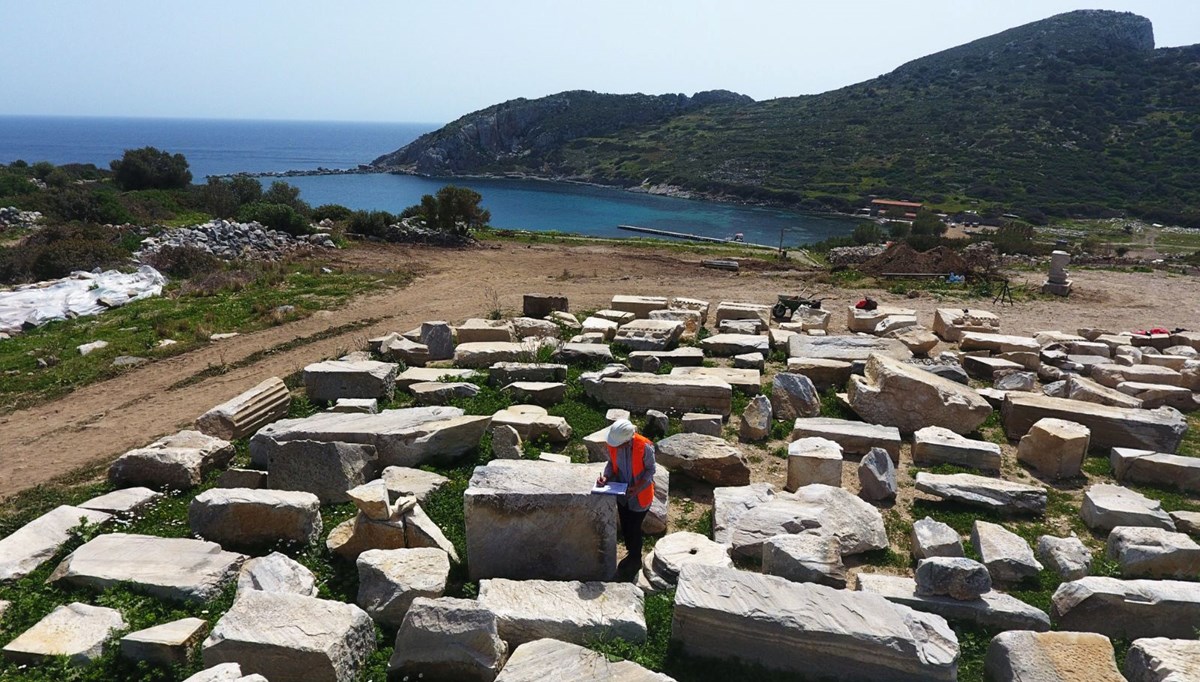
(83,293)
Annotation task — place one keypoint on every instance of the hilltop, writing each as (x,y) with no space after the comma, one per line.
(1077,114)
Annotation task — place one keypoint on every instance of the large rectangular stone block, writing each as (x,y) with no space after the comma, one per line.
(640,306)
(36,542)
(845,348)
(801,627)
(1156,468)
(569,611)
(638,392)
(538,520)
(1160,429)
(332,379)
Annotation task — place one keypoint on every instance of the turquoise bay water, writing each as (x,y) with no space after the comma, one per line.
(221,147)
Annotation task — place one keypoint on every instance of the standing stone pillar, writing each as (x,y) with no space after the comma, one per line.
(1057,282)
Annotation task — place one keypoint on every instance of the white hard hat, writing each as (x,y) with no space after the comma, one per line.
(621,432)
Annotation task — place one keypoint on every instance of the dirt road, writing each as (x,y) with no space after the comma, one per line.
(97,423)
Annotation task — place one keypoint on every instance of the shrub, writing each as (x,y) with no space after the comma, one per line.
(334,212)
(12,185)
(61,258)
(184,261)
(289,195)
(150,168)
(370,223)
(453,209)
(867,233)
(88,205)
(275,217)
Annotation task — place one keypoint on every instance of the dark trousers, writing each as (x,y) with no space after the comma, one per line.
(631,530)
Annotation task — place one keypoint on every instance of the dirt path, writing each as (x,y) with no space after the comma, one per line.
(99,422)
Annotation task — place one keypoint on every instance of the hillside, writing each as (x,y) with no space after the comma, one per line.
(1077,114)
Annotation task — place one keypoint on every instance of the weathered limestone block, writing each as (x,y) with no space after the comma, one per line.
(570,611)
(332,379)
(856,438)
(526,327)
(276,572)
(863,321)
(447,638)
(1158,395)
(954,577)
(685,356)
(674,551)
(335,641)
(123,502)
(354,536)
(38,541)
(1055,448)
(1007,556)
(1112,375)
(618,316)
(417,483)
(897,394)
(655,522)
(1068,557)
(877,476)
(532,422)
(1080,388)
(845,348)
(605,328)
(1128,609)
(934,539)
(1153,553)
(691,320)
(504,373)
(479,354)
(390,579)
(1160,429)
(225,672)
(325,469)
(981,491)
(417,375)
(824,374)
(793,396)
(1158,659)
(477,330)
(813,460)
(756,420)
(746,380)
(179,569)
(998,343)
(985,367)
(421,531)
(706,458)
(649,334)
(77,631)
(952,323)
(694,305)
(178,461)
(936,445)
(241,517)
(167,645)
(725,345)
(408,437)
(541,305)
(551,659)
(804,558)
(248,412)
(510,504)
(671,394)
(727,613)
(752,327)
(1107,506)
(401,349)
(733,310)
(707,424)
(993,610)
(441,392)
(640,306)
(730,503)
(1021,655)
(1168,471)
(857,525)
(919,340)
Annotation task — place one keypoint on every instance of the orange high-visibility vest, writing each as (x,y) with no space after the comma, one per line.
(646,496)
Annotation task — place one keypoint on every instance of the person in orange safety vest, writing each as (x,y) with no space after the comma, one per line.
(630,461)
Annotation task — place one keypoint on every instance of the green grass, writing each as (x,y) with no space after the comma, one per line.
(187,318)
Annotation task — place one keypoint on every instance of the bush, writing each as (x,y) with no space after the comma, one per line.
(58,250)
(334,212)
(64,257)
(88,205)
(289,195)
(453,209)
(149,168)
(223,198)
(183,261)
(867,233)
(275,217)
(370,223)
(12,185)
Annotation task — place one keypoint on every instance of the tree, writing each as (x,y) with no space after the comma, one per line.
(282,193)
(149,168)
(275,217)
(867,233)
(453,209)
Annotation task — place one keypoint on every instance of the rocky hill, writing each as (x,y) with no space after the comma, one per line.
(1077,114)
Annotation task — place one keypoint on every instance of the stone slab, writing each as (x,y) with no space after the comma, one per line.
(995,610)
(1160,429)
(570,611)
(845,348)
(35,543)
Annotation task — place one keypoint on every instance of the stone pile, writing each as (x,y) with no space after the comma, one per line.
(230,240)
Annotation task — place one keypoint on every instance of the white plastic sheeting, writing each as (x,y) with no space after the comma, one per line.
(83,293)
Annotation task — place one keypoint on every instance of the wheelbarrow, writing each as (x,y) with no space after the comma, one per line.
(787,306)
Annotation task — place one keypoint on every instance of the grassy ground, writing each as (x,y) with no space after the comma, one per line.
(43,363)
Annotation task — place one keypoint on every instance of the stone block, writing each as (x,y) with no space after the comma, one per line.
(845,348)
(733,310)
(936,445)
(504,373)
(1068,557)
(934,539)
(1107,506)
(241,517)
(649,334)
(179,461)
(35,543)
(748,381)
(123,502)
(805,558)
(993,610)
(1155,468)
(1160,429)
(390,579)
(417,375)
(407,482)
(980,491)
(276,572)
(998,343)
(332,379)
(793,396)
(782,625)
(706,424)
(326,469)
(893,393)
(857,525)
(451,639)
(856,438)
(532,422)
(477,330)
(1158,659)
(813,460)
(952,323)
(479,354)
(671,394)
(570,611)
(541,305)
(640,306)
(168,644)
(1024,655)
(1153,553)
(1055,448)
(706,458)
(332,646)
(1128,609)
(1080,388)
(727,345)
(686,356)
(546,659)
(1007,556)
(76,631)
(441,393)
(510,504)
(179,569)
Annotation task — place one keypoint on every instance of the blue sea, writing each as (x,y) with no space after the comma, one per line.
(219,147)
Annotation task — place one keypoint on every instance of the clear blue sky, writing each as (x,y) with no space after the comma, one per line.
(431,61)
